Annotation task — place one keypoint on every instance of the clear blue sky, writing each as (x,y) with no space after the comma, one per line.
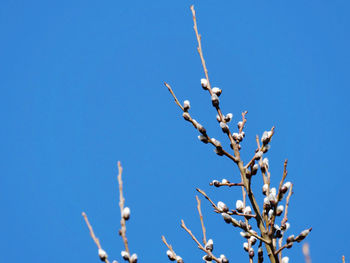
(82,87)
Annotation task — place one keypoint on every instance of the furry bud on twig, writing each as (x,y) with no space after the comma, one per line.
(265,188)
(228,219)
(252,240)
(224,181)
(303,235)
(258,155)
(126,213)
(207,258)
(222,207)
(272,198)
(171,255)
(133,258)
(216,91)
(224,127)
(239,206)
(186,116)
(255,169)
(179,259)
(218,118)
(290,239)
(265,163)
(102,254)
(266,137)
(125,255)
(228,117)
(209,245)
(279,210)
(244,234)
(203,139)
(247,210)
(216,143)
(246,246)
(240,125)
(204,83)
(285,260)
(251,252)
(286,187)
(223,259)
(186,105)
(216,183)
(219,151)
(215,100)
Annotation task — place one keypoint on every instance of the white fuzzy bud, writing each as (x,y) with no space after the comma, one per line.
(216,142)
(217,91)
(223,259)
(255,169)
(102,254)
(218,118)
(252,240)
(239,205)
(272,198)
(279,210)
(126,213)
(265,139)
(228,117)
(204,83)
(222,207)
(258,154)
(270,213)
(285,260)
(125,255)
(287,226)
(224,181)
(266,201)
(264,189)
(266,163)
(224,127)
(170,255)
(273,191)
(186,105)
(240,124)
(244,234)
(133,258)
(288,184)
(209,245)
(246,246)
(179,259)
(203,139)
(215,100)
(247,210)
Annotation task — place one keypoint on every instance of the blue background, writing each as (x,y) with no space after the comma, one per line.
(82,87)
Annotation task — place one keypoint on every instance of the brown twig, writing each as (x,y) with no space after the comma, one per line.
(198,243)
(201,218)
(343,259)
(285,218)
(226,184)
(168,246)
(207,197)
(94,238)
(122,231)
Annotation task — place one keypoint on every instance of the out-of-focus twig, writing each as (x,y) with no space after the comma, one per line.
(306,252)
(201,218)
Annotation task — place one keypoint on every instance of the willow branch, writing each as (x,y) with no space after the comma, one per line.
(122,231)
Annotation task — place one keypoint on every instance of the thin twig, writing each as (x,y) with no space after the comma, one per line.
(285,218)
(174,96)
(207,197)
(198,243)
(343,259)
(168,246)
(94,238)
(122,231)
(201,218)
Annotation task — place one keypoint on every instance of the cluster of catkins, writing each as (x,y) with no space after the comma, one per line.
(271,206)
